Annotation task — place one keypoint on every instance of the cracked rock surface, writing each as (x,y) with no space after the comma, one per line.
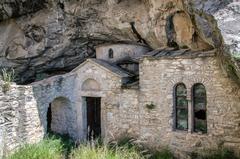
(41,38)
(227,16)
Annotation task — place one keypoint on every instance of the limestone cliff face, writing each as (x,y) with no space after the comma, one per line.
(40,38)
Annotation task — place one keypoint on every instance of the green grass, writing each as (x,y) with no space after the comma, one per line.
(163,154)
(124,149)
(146,152)
(221,153)
(50,148)
(105,152)
(67,144)
(61,147)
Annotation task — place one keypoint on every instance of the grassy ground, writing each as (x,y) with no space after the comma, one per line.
(104,152)
(61,147)
(47,149)
(221,153)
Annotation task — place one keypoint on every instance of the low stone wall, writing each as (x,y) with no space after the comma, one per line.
(19,118)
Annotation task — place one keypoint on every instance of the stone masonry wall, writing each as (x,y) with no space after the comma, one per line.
(157,80)
(128,116)
(122,114)
(53,90)
(19,118)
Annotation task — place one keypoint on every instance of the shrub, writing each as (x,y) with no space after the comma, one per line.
(8,77)
(236,55)
(46,149)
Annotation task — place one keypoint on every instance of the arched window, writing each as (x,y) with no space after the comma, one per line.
(110,53)
(199,108)
(181,107)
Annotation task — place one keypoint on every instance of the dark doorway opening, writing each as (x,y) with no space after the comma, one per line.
(93,117)
(49,118)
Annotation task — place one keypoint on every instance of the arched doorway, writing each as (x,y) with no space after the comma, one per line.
(59,116)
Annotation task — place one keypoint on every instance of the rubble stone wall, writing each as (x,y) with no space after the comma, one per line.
(19,118)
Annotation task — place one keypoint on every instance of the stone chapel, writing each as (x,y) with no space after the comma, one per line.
(167,97)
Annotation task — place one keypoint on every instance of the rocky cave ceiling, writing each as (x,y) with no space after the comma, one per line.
(41,38)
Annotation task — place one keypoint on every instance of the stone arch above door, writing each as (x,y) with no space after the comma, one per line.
(90,85)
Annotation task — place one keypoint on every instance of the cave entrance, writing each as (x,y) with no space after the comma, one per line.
(93,117)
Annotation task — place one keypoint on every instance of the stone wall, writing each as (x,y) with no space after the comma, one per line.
(52,91)
(157,80)
(121,117)
(128,113)
(19,118)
